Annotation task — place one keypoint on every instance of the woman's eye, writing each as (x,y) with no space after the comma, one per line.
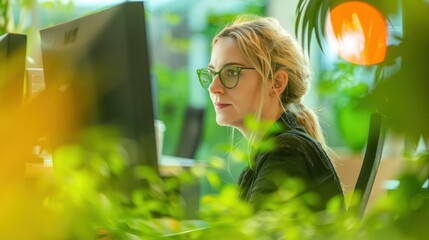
(232,72)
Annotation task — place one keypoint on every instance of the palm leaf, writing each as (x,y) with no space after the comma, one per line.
(322,22)
(394,53)
(299,11)
(311,16)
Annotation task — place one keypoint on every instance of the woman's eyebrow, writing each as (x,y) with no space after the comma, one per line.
(226,64)
(234,63)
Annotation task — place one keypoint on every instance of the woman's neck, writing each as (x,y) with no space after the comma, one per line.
(255,130)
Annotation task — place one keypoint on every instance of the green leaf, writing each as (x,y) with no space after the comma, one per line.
(213,179)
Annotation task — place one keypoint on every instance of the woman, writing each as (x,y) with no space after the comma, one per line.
(257,69)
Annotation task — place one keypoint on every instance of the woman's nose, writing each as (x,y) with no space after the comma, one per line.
(216,85)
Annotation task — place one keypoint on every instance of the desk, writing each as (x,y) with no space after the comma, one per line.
(169,166)
(172,165)
(348,167)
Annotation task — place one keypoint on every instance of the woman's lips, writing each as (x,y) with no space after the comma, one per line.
(221,105)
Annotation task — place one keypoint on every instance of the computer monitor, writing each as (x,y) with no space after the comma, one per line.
(12,69)
(101,61)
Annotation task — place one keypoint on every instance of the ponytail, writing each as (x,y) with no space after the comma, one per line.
(309,120)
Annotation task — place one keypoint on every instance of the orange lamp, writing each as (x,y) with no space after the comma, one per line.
(358,33)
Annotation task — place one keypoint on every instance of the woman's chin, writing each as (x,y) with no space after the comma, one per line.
(222,122)
(226,122)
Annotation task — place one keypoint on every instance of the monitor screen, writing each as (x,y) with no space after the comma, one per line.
(101,62)
(12,69)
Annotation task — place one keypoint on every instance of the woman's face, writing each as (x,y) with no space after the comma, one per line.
(233,105)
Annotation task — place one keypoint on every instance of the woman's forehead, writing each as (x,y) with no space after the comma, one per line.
(225,51)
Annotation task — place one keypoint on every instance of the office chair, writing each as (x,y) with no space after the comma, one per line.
(187,146)
(190,136)
(370,165)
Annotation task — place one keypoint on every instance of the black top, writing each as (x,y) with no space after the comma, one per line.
(294,153)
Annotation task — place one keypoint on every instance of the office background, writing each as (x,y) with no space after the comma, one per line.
(180,35)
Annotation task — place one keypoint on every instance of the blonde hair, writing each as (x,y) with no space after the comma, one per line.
(269,47)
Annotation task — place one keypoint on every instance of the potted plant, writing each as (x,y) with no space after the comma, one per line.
(399,93)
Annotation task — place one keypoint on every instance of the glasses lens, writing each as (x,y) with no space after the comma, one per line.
(229,76)
(205,77)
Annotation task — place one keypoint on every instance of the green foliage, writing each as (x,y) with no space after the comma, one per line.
(311,19)
(217,19)
(341,88)
(401,95)
(402,212)
(89,199)
(173,96)
(15,15)
(404,87)
(4,18)
(85,201)
(51,5)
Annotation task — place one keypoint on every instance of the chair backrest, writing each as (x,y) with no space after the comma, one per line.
(190,136)
(370,164)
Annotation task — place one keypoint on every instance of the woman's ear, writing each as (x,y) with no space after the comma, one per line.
(280,82)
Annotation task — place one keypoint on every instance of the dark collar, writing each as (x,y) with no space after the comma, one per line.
(285,122)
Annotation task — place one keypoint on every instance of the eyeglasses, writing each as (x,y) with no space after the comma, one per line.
(228,75)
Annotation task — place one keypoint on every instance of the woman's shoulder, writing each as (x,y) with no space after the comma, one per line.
(296,140)
(284,149)
(297,147)
(297,134)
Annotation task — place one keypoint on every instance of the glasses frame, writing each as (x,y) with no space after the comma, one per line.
(213,74)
